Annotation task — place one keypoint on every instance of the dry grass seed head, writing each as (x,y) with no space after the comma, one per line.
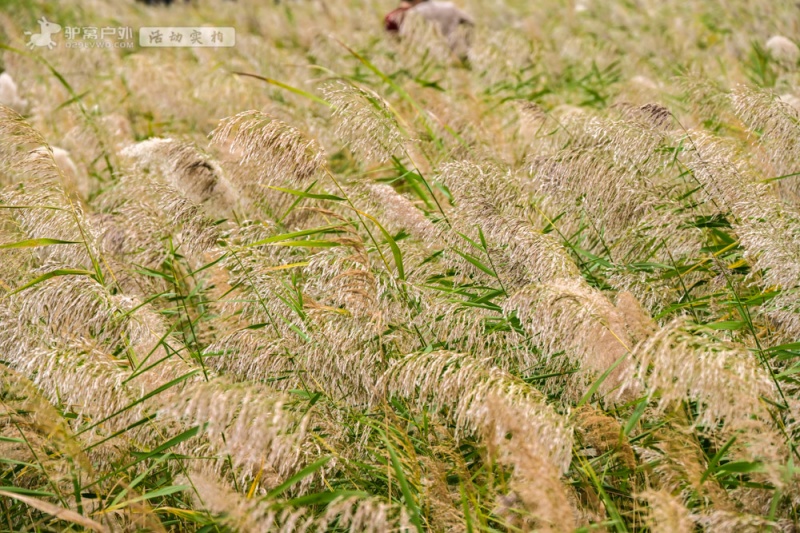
(279,151)
(187,169)
(365,122)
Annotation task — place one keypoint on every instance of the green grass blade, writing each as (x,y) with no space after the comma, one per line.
(302,474)
(54,274)
(35,243)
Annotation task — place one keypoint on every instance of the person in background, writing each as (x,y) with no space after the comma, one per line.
(445,15)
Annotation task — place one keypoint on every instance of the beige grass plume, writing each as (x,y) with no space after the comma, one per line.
(357,513)
(187,169)
(279,151)
(365,122)
(9,94)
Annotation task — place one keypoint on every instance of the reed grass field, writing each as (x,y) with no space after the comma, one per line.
(544,278)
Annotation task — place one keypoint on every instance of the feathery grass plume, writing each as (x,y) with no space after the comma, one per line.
(255,275)
(368,514)
(636,140)
(134,235)
(55,454)
(684,360)
(355,513)
(18,148)
(709,100)
(568,315)
(346,355)
(102,137)
(603,433)
(17,262)
(89,382)
(473,330)
(187,169)
(82,375)
(791,100)
(75,183)
(92,383)
(254,355)
(245,514)
(24,405)
(767,228)
(343,277)
(69,307)
(66,307)
(95,386)
(9,94)
(497,56)
(589,181)
(537,500)
(486,198)
(44,210)
(650,115)
(544,132)
(520,253)
(279,151)
(422,43)
(723,520)
(778,126)
(618,176)
(783,50)
(143,328)
(248,421)
(400,213)
(472,183)
(41,208)
(666,513)
(512,417)
(150,212)
(365,122)
(463,385)
(22,445)
(638,323)
(197,231)
(534,116)
(678,465)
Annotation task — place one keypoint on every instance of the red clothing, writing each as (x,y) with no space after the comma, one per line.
(393,20)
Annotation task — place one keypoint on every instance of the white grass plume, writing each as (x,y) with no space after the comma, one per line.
(687,361)
(464,385)
(667,513)
(400,213)
(187,169)
(567,314)
(357,513)
(9,94)
(783,50)
(247,421)
(279,151)
(365,122)
(767,228)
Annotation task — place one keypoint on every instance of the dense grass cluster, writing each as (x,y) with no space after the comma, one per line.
(333,280)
